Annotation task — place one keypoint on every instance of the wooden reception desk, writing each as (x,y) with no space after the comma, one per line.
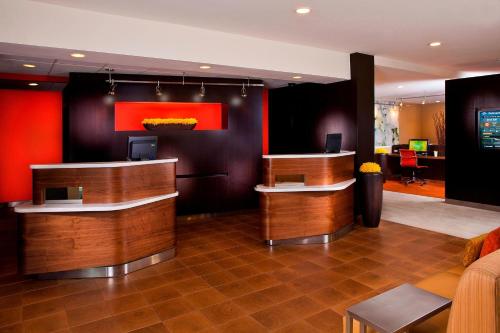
(124,221)
(307,198)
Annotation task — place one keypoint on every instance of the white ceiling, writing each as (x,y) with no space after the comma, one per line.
(392,30)
(469,30)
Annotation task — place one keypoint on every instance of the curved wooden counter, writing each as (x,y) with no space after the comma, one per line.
(317,210)
(124,222)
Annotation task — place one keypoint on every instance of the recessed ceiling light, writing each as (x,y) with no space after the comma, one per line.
(32,84)
(401,87)
(435,44)
(205,67)
(296,77)
(77,55)
(29,65)
(303,10)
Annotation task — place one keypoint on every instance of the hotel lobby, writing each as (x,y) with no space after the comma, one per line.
(249,166)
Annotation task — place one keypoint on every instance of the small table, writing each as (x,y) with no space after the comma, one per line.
(396,310)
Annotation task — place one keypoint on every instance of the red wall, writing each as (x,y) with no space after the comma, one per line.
(30,133)
(129,115)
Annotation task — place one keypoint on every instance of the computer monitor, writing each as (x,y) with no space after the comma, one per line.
(333,143)
(419,145)
(142,148)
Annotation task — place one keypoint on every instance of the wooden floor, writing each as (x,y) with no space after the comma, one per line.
(433,188)
(224,279)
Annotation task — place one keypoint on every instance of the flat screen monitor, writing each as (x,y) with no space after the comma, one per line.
(142,148)
(489,129)
(333,143)
(419,145)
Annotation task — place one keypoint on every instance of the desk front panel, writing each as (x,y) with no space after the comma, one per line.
(55,242)
(288,215)
(315,171)
(108,184)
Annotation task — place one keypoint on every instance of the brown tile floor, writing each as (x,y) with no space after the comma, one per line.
(225,280)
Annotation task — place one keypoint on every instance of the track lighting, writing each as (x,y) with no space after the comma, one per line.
(202,90)
(112,88)
(243,91)
(158,90)
(112,84)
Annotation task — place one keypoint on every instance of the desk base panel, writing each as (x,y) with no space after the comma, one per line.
(110,271)
(319,239)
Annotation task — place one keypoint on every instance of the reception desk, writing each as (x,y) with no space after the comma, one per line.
(124,220)
(306,198)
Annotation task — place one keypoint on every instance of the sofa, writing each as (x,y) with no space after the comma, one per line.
(475,291)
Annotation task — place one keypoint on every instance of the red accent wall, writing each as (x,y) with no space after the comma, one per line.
(129,115)
(30,133)
(265,121)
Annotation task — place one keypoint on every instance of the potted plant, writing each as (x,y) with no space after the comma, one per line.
(371,187)
(154,124)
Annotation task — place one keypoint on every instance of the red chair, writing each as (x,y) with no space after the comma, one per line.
(409,161)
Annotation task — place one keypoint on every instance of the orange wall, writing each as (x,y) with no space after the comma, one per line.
(30,133)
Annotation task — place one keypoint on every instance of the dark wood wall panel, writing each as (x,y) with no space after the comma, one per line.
(300,116)
(471,175)
(232,155)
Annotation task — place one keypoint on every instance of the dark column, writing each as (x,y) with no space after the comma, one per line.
(363,79)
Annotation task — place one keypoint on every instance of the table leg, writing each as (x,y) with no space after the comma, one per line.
(362,327)
(348,319)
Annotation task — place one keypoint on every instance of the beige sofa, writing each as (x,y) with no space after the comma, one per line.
(476,298)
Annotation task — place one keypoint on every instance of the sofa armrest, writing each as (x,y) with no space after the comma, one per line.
(475,307)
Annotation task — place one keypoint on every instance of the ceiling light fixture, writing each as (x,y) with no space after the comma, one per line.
(205,67)
(434,44)
(29,65)
(112,84)
(32,84)
(202,90)
(77,55)
(423,101)
(158,89)
(243,91)
(438,101)
(401,87)
(303,10)
(297,77)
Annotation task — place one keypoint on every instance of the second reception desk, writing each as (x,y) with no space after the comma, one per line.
(307,198)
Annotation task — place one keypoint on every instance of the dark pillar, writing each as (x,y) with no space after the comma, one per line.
(363,78)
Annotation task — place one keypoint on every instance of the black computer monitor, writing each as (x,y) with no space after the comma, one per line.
(419,145)
(142,148)
(333,143)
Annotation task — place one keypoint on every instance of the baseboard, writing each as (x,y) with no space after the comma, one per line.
(472,205)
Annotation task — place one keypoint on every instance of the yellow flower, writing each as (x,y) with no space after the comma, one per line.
(370,167)
(163,121)
(381,151)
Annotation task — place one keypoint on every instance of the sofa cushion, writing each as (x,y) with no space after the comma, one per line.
(473,249)
(491,242)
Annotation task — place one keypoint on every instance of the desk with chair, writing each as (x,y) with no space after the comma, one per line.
(435,166)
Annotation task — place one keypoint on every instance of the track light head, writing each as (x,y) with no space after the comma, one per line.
(202,90)
(243,91)
(112,87)
(158,90)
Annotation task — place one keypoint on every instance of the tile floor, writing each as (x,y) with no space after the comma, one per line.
(225,280)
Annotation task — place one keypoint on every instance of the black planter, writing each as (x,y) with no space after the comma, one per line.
(371,198)
(381,159)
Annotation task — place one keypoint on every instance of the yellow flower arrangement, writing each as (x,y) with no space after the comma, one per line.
(163,121)
(370,167)
(381,151)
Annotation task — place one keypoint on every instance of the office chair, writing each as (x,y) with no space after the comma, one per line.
(408,160)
